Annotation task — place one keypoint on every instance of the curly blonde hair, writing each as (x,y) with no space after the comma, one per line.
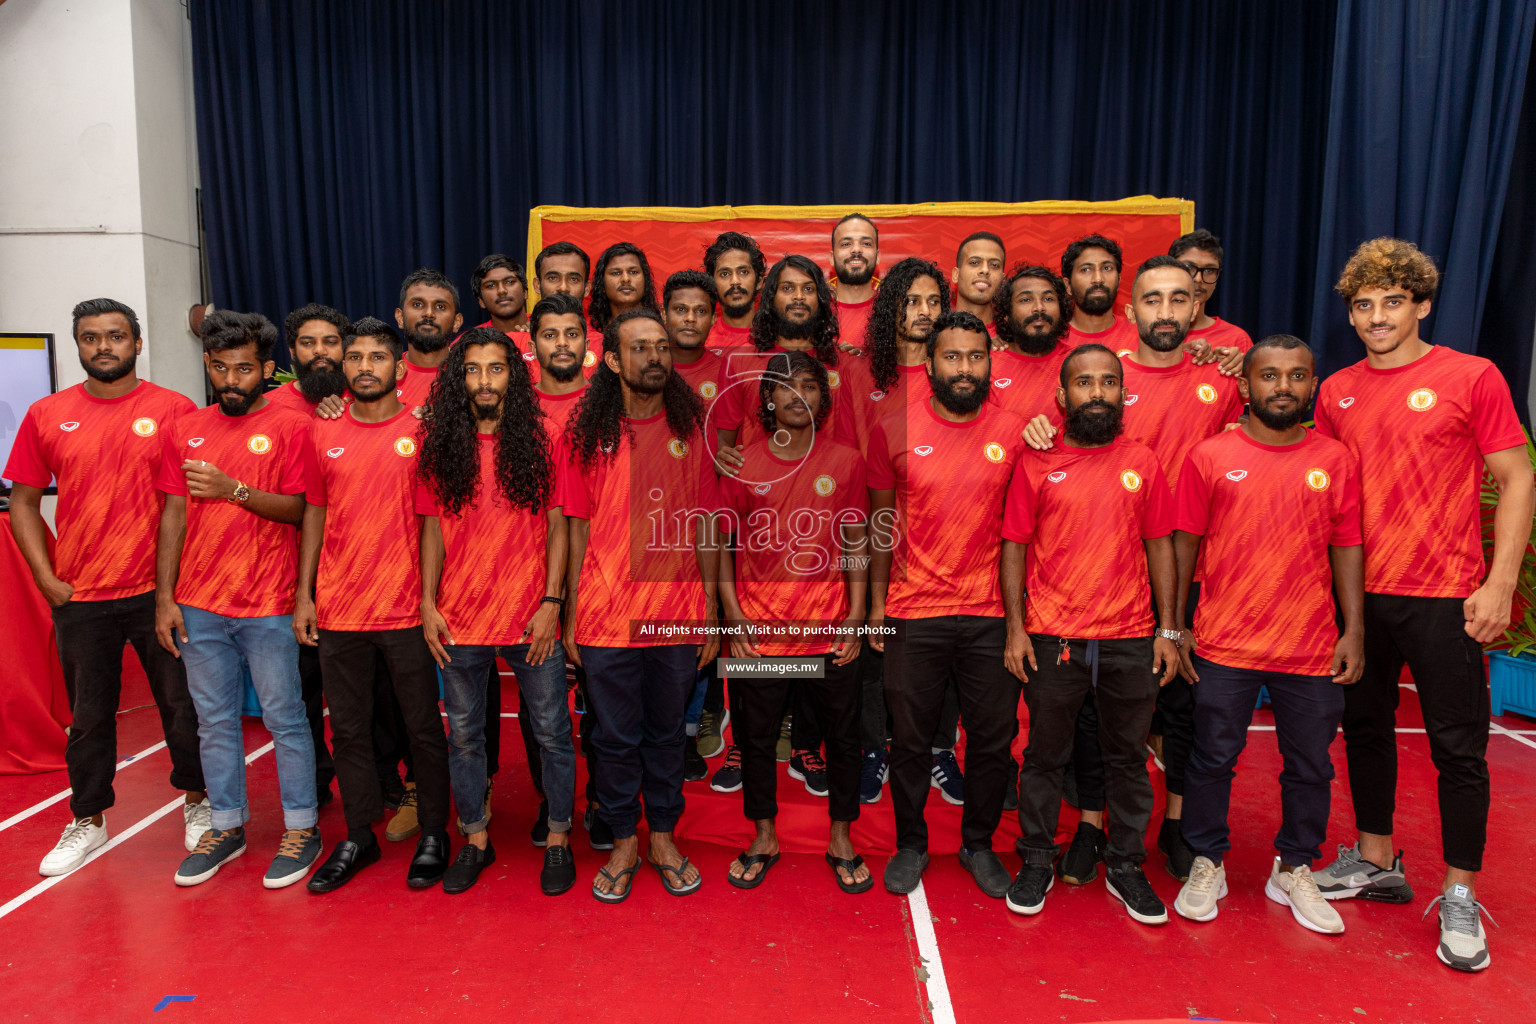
(1386,263)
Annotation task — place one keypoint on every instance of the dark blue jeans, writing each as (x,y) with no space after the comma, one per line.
(1307,710)
(640,695)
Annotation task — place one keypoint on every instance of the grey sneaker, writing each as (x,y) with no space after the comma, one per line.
(1351,876)
(296,854)
(1463,945)
(217,848)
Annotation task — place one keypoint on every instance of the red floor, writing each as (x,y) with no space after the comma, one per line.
(111,941)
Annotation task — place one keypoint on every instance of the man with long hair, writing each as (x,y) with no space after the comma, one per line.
(493,546)
(621,282)
(429,315)
(641,495)
(736,265)
(817,583)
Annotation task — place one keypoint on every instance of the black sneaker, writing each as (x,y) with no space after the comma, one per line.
(808,767)
(599,832)
(1171,841)
(1027,893)
(559,872)
(727,778)
(466,867)
(1081,863)
(694,765)
(540,831)
(1130,886)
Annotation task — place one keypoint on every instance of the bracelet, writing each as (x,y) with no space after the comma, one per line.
(553,600)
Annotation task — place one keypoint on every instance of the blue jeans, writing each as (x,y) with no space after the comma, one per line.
(695,712)
(212,653)
(543,690)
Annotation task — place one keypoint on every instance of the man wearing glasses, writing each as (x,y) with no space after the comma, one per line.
(1201,252)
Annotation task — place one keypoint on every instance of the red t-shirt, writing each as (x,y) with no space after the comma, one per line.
(788,525)
(288,396)
(414,387)
(1223,335)
(1171,409)
(559,409)
(852,318)
(1026,385)
(1084,512)
(869,404)
(640,569)
(950,480)
(364,474)
(1420,433)
(105,455)
(722,405)
(722,336)
(1268,515)
(495,564)
(1121,338)
(234,562)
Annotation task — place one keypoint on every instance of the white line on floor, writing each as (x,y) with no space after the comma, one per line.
(940,1007)
(117,840)
(1496,727)
(43,805)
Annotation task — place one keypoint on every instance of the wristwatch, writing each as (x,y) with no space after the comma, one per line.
(242,493)
(1176,635)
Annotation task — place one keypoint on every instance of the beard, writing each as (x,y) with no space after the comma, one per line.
(783,327)
(563,373)
(1036,343)
(234,402)
(1163,342)
(736,309)
(1094,427)
(487,410)
(646,383)
(1278,420)
(1096,301)
(316,384)
(384,387)
(108,374)
(960,402)
(855,277)
(432,341)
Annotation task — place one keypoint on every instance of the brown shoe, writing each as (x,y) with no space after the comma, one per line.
(404,824)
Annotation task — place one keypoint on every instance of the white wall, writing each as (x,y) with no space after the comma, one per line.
(98,174)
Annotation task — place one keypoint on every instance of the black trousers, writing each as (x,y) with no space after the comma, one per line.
(875,722)
(836,700)
(920,658)
(314,709)
(347,663)
(1429,635)
(91,636)
(1125,691)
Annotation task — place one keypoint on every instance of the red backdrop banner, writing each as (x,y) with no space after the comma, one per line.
(674,238)
(34,708)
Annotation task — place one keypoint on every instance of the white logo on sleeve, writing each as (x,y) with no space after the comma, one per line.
(924,449)
(194,442)
(1236,474)
(71,425)
(1003,382)
(334,453)
(1056,477)
(1130,399)
(1345,403)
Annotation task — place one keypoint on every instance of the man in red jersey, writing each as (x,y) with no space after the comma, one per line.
(640,492)
(1202,253)
(101,441)
(314,334)
(624,283)
(893,369)
(855,257)
(1241,491)
(429,315)
(1093,516)
(233,477)
(360,474)
(1091,267)
(493,546)
(795,603)
(932,465)
(562,268)
(1032,311)
(1424,421)
(501,289)
(978,271)
(736,265)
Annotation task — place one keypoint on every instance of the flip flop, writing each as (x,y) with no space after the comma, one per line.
(850,866)
(664,869)
(767,860)
(614,880)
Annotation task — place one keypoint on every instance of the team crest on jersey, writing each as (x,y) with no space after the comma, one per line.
(334,453)
(1345,403)
(194,442)
(834,379)
(1130,480)
(144,426)
(825,485)
(1422,400)
(1056,477)
(70,426)
(1130,399)
(259,444)
(405,447)
(1002,382)
(1205,393)
(590,359)
(994,452)
(924,449)
(1317,479)
(708,389)
(1236,474)
(678,447)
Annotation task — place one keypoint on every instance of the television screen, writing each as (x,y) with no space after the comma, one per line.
(26,374)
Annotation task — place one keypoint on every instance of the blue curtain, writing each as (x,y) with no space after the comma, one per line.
(343,145)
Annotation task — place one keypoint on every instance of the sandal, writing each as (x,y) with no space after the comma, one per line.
(614,880)
(664,869)
(850,866)
(767,860)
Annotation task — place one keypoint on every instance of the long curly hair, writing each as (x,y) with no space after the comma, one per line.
(449,463)
(782,367)
(886,315)
(599,312)
(766,319)
(599,422)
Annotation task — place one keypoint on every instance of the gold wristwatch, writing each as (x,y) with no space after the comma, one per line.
(242,493)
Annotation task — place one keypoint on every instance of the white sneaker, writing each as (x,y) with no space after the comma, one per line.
(1463,943)
(79,839)
(197,819)
(1207,884)
(1298,890)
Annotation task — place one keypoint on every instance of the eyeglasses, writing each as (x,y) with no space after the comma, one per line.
(1207,274)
